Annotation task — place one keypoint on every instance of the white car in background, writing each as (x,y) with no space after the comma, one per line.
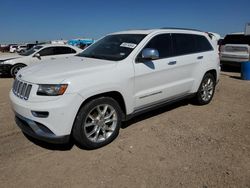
(13,48)
(21,48)
(12,64)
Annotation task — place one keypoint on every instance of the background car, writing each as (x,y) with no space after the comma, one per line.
(13,48)
(235,48)
(30,45)
(21,48)
(5,48)
(11,65)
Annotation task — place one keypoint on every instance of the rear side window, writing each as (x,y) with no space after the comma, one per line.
(162,43)
(184,44)
(236,39)
(64,50)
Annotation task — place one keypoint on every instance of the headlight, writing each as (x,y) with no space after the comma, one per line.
(51,89)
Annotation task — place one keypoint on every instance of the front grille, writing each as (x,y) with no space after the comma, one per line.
(21,89)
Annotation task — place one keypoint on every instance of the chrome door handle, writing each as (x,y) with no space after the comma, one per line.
(172,62)
(200,57)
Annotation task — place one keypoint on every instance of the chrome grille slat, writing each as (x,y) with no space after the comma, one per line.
(18,85)
(21,89)
(27,93)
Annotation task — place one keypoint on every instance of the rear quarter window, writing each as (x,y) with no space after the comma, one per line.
(202,44)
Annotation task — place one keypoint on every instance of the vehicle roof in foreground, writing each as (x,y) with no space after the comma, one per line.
(149,31)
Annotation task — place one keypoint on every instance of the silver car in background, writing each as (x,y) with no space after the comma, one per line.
(235,48)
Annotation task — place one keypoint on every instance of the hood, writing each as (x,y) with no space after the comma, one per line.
(58,70)
(6,57)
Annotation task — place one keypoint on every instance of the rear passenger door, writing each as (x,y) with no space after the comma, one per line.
(192,53)
(185,52)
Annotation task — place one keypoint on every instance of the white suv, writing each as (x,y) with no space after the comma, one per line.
(123,74)
(13,48)
(21,48)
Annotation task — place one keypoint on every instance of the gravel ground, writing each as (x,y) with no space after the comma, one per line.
(181,145)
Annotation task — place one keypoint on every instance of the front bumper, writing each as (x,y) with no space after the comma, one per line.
(56,126)
(5,69)
(39,131)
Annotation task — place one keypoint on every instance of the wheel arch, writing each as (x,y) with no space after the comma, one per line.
(113,94)
(213,72)
(15,65)
(18,64)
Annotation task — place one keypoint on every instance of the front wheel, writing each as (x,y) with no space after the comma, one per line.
(206,90)
(14,70)
(97,123)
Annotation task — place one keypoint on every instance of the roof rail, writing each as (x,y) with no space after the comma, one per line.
(180,28)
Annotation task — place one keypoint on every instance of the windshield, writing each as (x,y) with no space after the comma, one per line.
(31,51)
(113,47)
(236,39)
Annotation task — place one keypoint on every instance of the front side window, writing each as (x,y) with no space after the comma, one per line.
(162,43)
(113,47)
(47,51)
(31,51)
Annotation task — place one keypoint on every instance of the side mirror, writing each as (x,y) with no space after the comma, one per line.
(37,55)
(150,54)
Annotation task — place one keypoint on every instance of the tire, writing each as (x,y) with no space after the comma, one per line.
(90,129)
(206,90)
(14,70)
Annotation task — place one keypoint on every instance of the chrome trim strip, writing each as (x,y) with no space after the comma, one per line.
(148,95)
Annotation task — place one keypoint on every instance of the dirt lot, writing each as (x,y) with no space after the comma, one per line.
(181,145)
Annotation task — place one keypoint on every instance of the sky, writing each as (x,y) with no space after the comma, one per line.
(42,20)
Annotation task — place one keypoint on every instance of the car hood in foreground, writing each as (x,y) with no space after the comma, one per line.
(6,57)
(58,70)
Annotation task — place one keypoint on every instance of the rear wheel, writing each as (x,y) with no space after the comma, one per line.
(14,70)
(97,123)
(206,90)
